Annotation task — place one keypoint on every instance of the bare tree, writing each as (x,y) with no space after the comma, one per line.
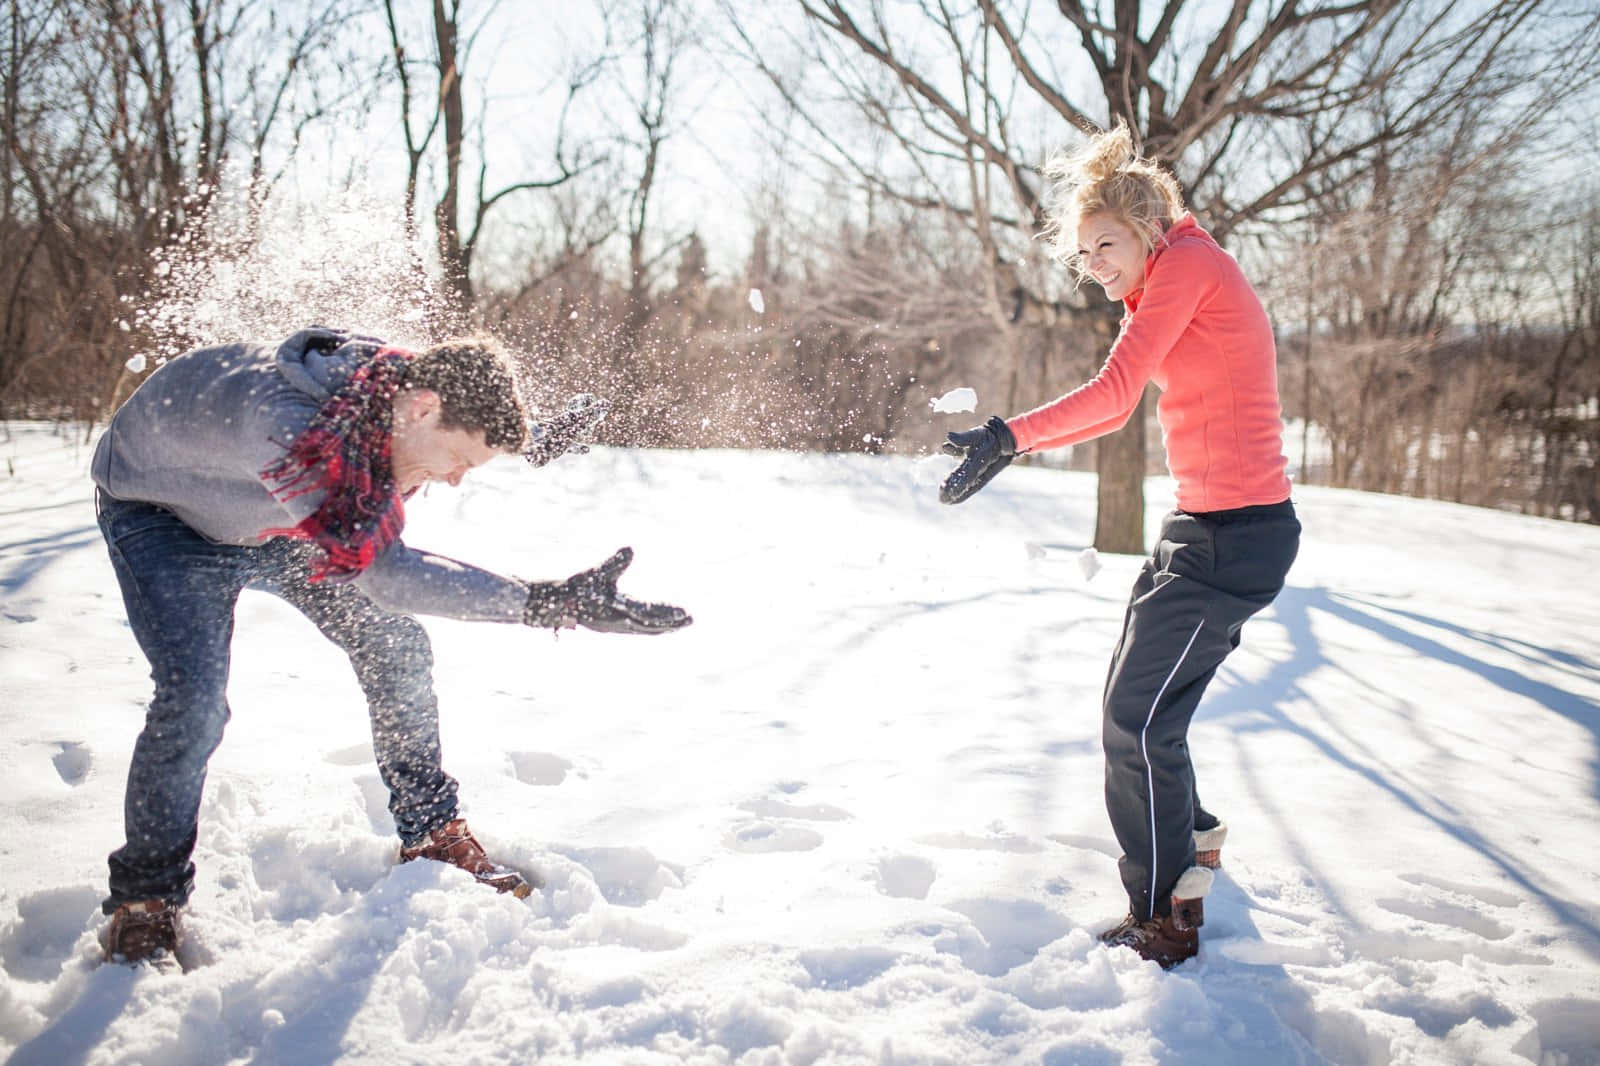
(658,44)
(1250,104)
(120,119)
(642,101)
(457,237)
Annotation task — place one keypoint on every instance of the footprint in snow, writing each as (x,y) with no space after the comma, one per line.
(1450,913)
(1436,908)
(539,768)
(998,935)
(1493,896)
(625,876)
(1428,946)
(969,842)
(905,876)
(1436,911)
(72,761)
(1437,901)
(763,837)
(813,812)
(1437,1014)
(772,825)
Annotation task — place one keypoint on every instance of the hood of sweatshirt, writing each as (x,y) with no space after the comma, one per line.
(317,360)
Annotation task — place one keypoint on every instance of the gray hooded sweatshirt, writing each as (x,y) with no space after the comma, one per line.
(195,436)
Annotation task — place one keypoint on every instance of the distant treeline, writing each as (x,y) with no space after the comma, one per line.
(181,176)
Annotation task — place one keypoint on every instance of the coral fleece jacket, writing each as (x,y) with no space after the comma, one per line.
(1198,330)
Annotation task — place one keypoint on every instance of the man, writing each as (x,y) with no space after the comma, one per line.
(286,468)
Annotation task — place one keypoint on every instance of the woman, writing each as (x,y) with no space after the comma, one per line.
(1195,327)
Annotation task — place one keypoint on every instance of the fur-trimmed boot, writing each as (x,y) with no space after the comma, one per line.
(1168,939)
(1208,846)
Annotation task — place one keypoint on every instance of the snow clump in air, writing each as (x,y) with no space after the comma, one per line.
(1089,563)
(256,267)
(956,401)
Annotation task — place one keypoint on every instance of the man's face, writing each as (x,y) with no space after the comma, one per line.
(424,451)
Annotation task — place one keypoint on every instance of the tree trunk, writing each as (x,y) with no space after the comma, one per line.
(1119,462)
(447,217)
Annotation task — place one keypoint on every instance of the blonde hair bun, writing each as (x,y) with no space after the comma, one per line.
(1108,175)
(1104,156)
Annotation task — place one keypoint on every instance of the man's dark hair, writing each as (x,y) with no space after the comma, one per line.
(476,388)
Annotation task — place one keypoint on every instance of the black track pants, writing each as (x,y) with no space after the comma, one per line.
(1207,575)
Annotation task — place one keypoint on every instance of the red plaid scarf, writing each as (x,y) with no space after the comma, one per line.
(345,450)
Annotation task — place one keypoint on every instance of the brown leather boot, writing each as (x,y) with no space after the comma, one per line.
(1162,939)
(146,931)
(1168,939)
(454,843)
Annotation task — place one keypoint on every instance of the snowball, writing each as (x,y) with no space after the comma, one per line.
(1089,563)
(956,401)
(136,365)
(757,304)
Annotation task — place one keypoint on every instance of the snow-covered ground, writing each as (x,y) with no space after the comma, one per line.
(853,814)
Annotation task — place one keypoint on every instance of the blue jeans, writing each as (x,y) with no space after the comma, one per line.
(180,590)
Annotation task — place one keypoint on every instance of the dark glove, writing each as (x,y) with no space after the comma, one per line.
(590,599)
(984,452)
(569,431)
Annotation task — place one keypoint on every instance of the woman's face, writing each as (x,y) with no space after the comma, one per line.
(1112,253)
